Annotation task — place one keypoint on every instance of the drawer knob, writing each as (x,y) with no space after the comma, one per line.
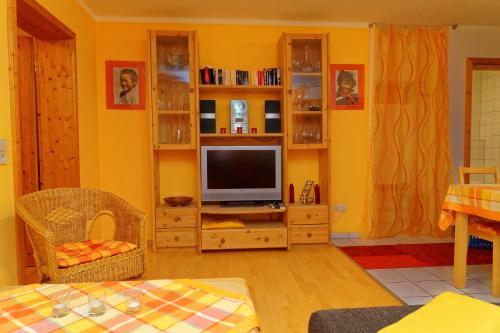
(177,219)
(222,240)
(309,235)
(266,239)
(176,238)
(308,216)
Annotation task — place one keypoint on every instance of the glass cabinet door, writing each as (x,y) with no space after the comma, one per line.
(308,86)
(173,90)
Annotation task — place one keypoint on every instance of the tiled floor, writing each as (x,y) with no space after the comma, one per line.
(420,285)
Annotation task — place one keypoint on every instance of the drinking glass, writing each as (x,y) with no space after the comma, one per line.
(61,303)
(134,301)
(97,302)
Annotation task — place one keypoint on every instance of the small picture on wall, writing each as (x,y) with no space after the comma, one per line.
(348,82)
(125,85)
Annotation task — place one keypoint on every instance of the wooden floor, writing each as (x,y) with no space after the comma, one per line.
(286,286)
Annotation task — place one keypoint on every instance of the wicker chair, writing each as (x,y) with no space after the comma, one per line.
(49,224)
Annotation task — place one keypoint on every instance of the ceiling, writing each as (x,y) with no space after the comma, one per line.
(421,12)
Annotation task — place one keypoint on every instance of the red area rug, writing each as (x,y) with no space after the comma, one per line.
(412,255)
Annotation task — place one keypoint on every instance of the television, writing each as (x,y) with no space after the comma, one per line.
(240,173)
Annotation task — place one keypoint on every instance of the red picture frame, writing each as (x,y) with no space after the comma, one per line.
(125,85)
(348,86)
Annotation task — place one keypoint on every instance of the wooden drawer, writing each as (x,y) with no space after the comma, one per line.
(179,237)
(307,234)
(243,238)
(316,214)
(176,217)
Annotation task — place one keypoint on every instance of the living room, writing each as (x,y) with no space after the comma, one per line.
(301,268)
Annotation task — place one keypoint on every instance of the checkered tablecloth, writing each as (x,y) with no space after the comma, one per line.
(168,306)
(478,200)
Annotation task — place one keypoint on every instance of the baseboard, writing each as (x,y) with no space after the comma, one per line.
(345,235)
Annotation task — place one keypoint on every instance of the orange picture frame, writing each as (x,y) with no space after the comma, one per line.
(125,85)
(348,86)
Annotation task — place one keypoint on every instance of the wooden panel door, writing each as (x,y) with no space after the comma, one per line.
(27,116)
(57,114)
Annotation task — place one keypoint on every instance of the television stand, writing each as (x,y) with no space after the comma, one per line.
(242,204)
(265,227)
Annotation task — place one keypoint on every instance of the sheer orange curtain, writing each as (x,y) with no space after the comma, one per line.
(410,164)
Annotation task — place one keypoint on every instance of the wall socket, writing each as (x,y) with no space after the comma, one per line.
(340,207)
(3,151)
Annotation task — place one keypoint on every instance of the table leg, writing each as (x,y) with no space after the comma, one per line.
(495,279)
(461,244)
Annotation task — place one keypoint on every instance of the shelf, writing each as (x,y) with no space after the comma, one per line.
(308,113)
(172,146)
(212,88)
(218,209)
(248,135)
(308,146)
(163,112)
(306,74)
(298,204)
(163,206)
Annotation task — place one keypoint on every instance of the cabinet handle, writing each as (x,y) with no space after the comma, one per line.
(222,240)
(308,216)
(309,235)
(266,239)
(176,238)
(177,219)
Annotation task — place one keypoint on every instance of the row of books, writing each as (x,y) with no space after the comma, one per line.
(236,77)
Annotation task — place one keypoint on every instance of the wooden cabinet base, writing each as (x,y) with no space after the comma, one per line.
(310,234)
(310,214)
(177,237)
(244,238)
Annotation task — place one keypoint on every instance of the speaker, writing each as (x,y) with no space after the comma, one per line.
(273,116)
(207,116)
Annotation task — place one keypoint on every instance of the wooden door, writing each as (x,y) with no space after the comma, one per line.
(57,113)
(28,127)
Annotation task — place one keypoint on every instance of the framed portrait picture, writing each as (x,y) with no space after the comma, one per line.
(125,85)
(348,87)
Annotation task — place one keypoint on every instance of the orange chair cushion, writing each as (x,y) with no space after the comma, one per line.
(72,254)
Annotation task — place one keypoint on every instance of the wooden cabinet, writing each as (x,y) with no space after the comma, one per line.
(176,92)
(307,90)
(308,132)
(176,226)
(173,86)
(173,62)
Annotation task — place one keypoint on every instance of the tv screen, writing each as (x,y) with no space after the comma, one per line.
(241,173)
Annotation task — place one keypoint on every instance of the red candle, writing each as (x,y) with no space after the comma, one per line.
(317,199)
(223,130)
(239,130)
(254,130)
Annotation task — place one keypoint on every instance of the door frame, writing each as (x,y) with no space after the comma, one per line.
(40,23)
(471,65)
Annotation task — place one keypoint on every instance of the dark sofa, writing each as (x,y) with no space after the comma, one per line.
(359,320)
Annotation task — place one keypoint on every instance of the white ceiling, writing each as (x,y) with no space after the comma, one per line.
(422,12)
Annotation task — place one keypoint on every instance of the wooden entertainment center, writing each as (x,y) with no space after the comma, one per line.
(176,91)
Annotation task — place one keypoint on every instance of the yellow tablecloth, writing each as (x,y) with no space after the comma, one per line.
(478,200)
(168,306)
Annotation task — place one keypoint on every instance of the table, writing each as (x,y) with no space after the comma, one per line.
(461,202)
(168,305)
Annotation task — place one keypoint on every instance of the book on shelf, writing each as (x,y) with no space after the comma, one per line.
(237,77)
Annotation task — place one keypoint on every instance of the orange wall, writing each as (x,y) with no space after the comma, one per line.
(124,160)
(8,267)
